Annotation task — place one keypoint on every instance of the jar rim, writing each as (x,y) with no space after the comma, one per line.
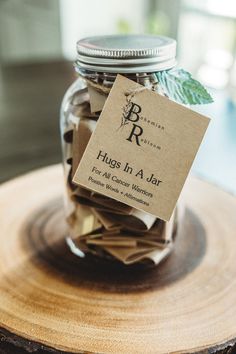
(126,53)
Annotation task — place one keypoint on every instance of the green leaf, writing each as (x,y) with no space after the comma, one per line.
(179,86)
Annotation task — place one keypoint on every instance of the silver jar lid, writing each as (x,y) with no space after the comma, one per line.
(126,53)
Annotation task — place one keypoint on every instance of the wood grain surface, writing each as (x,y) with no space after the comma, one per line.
(50,300)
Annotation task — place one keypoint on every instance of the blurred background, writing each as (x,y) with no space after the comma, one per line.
(37,49)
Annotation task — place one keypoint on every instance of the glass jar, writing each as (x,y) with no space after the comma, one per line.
(97,224)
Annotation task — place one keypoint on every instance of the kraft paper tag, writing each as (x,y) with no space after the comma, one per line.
(142,149)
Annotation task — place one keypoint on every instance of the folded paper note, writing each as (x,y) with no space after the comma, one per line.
(142,149)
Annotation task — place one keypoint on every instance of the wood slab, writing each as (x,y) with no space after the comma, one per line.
(52,301)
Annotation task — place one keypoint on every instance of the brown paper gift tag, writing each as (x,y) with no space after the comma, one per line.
(142,149)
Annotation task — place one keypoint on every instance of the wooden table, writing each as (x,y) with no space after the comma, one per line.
(50,300)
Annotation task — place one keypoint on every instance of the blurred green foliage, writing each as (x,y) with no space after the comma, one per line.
(157,23)
(123,26)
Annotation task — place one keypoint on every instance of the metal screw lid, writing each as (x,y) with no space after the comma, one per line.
(126,53)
